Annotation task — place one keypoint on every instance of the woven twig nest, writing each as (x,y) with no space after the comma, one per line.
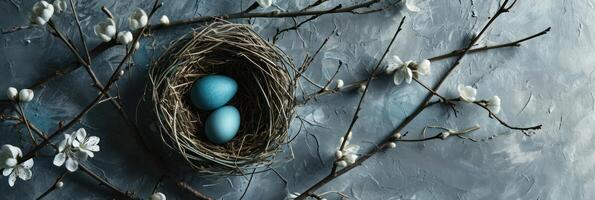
(265,97)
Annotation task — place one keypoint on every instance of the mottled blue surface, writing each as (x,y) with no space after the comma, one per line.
(547,80)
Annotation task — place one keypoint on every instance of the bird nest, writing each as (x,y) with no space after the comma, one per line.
(264,98)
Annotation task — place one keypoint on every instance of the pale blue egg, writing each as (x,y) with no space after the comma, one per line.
(223,124)
(213,91)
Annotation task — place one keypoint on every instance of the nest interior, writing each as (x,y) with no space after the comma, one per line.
(264,98)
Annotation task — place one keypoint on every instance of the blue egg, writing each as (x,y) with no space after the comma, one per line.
(213,91)
(223,124)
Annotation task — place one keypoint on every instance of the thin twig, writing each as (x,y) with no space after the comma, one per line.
(192,191)
(457,52)
(53,187)
(248,185)
(505,7)
(85,169)
(106,45)
(26,121)
(310,191)
(88,108)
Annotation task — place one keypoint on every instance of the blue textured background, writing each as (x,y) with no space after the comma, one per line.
(548,80)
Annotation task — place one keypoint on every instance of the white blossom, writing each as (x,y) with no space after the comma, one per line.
(158,196)
(124,37)
(403,74)
(397,135)
(265,3)
(340,83)
(362,87)
(348,155)
(164,20)
(494,104)
(42,13)
(444,135)
(26,95)
(467,93)
(423,68)
(12,93)
(74,148)
(394,63)
(137,19)
(60,5)
(411,5)
(106,30)
(392,145)
(9,156)
(60,184)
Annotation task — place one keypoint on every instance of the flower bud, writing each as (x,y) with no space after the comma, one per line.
(164,20)
(158,196)
(444,135)
(362,87)
(392,145)
(60,5)
(338,154)
(59,184)
(341,163)
(137,19)
(26,95)
(124,37)
(12,93)
(340,83)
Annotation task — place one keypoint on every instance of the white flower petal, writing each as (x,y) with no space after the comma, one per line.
(24,174)
(13,151)
(28,164)
(265,3)
(86,152)
(351,158)
(71,164)
(80,134)
(59,159)
(64,142)
(410,5)
(158,196)
(394,63)
(7,171)
(398,77)
(92,141)
(424,67)
(11,179)
(467,93)
(94,148)
(351,149)
(60,5)
(409,75)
